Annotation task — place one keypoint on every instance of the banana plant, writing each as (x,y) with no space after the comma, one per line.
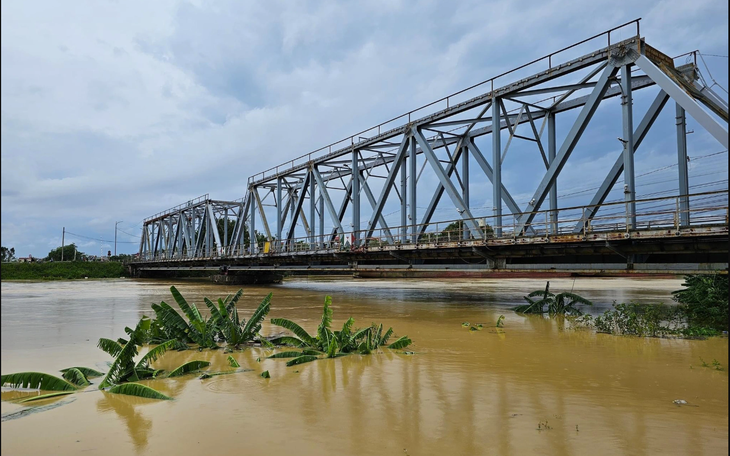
(331,344)
(557,304)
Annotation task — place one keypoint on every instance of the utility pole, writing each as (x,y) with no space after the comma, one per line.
(115,236)
(63,239)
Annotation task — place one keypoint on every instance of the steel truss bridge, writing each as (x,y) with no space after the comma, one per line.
(291,204)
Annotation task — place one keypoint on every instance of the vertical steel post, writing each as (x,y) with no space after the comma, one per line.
(63,241)
(413,172)
(497,167)
(554,187)
(628,143)
(682,166)
(252,222)
(279,213)
(320,242)
(465,183)
(355,192)
(312,208)
(403,199)
(225,230)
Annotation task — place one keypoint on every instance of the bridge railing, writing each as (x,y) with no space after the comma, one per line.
(669,214)
(544,63)
(661,213)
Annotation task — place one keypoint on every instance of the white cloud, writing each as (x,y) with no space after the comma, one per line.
(117,110)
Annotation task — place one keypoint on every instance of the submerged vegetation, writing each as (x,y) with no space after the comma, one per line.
(702,311)
(552,304)
(170,331)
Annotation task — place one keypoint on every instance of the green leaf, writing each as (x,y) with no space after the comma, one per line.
(188,367)
(44,396)
(287,341)
(253,326)
(233,362)
(88,372)
(171,321)
(332,349)
(265,374)
(312,352)
(296,329)
(403,342)
(112,347)
(301,360)
(231,304)
(192,312)
(36,380)
(286,354)
(76,377)
(155,353)
(386,336)
(135,389)
(123,365)
(326,323)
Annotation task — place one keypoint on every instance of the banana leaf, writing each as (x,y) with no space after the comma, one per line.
(231,302)
(332,349)
(326,322)
(296,329)
(155,353)
(312,352)
(286,354)
(263,341)
(386,336)
(265,374)
(403,342)
(286,340)
(253,326)
(36,380)
(171,321)
(233,362)
(188,367)
(44,396)
(112,347)
(301,360)
(190,310)
(135,389)
(121,365)
(88,372)
(76,377)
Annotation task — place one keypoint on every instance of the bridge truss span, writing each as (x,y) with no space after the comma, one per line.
(417,163)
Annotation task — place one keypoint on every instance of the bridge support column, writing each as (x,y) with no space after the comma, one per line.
(355,191)
(252,223)
(412,190)
(497,168)
(465,184)
(682,166)
(628,143)
(554,187)
(320,241)
(312,207)
(403,200)
(279,213)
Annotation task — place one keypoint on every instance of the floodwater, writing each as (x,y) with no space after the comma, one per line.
(534,387)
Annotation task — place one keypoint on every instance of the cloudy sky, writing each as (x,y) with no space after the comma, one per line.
(115,110)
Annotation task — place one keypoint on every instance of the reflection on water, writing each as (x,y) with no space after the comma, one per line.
(128,410)
(462,392)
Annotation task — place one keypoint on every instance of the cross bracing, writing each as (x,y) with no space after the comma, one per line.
(433,157)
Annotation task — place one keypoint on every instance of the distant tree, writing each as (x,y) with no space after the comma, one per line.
(8,254)
(122,257)
(68,253)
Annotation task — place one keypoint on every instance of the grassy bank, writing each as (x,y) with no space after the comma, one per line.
(60,271)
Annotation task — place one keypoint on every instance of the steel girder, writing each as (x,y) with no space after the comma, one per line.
(348,171)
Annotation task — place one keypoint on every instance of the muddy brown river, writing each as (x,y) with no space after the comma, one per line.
(535,386)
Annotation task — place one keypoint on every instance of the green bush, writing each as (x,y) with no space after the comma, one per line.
(705,301)
(62,270)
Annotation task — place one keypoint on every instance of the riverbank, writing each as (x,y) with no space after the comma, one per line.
(62,270)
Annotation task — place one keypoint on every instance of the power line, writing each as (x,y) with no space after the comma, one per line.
(96,239)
